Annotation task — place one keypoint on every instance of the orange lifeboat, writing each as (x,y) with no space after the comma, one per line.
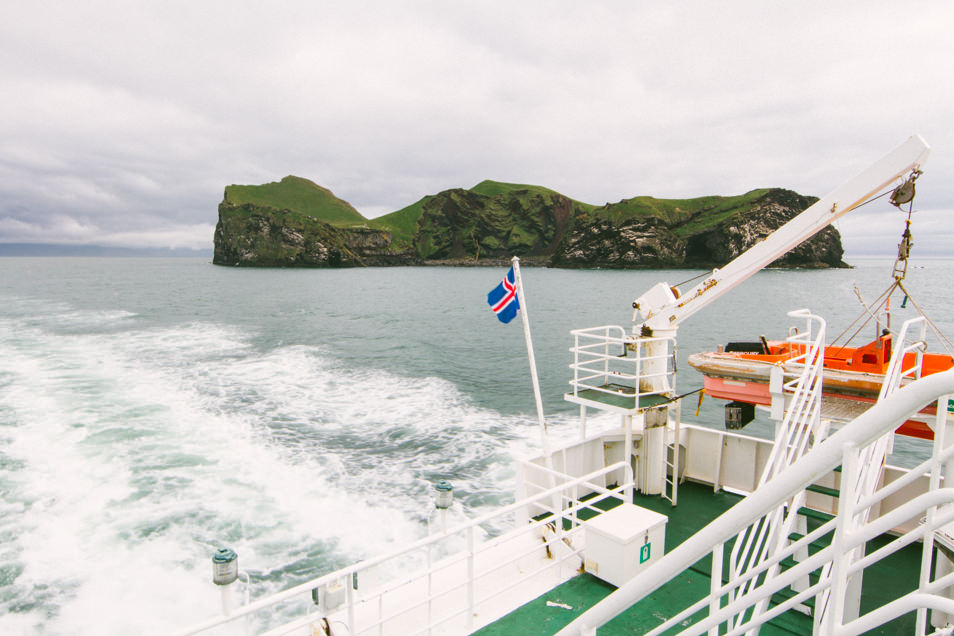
(741,372)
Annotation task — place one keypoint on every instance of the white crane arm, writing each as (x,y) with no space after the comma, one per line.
(662,307)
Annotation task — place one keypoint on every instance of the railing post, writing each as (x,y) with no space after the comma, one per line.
(844,525)
(349,595)
(628,454)
(576,364)
(471,574)
(430,587)
(943,432)
(558,516)
(927,549)
(677,443)
(639,371)
(717,477)
(380,614)
(715,583)
(919,357)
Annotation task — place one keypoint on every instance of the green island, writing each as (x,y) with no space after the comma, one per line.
(298,223)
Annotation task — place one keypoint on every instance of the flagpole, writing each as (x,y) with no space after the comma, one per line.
(557,500)
(522,299)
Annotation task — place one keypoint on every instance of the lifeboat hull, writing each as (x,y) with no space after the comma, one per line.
(745,378)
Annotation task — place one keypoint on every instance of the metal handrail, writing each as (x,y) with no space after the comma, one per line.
(840,449)
(896,371)
(470,527)
(600,355)
(759,542)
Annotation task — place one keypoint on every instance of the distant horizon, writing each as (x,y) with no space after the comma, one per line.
(94,250)
(382,103)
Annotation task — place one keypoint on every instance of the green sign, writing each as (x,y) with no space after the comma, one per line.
(644,553)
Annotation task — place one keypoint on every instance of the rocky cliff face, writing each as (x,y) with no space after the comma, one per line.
(460,224)
(732,237)
(595,241)
(375,248)
(468,227)
(253,236)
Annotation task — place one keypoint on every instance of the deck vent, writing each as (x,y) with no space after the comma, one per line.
(445,495)
(738,414)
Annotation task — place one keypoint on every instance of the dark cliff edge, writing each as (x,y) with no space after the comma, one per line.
(295,223)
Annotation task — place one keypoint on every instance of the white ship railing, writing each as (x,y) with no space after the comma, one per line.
(448,578)
(609,361)
(847,532)
(897,373)
(871,458)
(802,417)
(800,427)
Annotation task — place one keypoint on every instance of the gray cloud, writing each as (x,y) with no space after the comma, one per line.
(123,124)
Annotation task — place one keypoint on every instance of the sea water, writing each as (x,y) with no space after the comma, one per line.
(154,410)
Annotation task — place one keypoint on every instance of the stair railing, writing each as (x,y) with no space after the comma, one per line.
(799,427)
(842,448)
(870,463)
(896,372)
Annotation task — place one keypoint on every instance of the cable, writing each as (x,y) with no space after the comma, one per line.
(689,280)
(937,330)
(879,302)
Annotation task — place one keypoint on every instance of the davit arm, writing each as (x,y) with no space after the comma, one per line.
(663,308)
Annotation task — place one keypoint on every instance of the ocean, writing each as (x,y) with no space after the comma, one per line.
(154,410)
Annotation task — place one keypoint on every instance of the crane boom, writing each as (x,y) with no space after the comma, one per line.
(662,307)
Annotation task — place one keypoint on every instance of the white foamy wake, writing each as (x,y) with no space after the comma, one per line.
(129,455)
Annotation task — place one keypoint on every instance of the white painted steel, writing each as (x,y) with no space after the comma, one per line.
(719,591)
(888,170)
(601,357)
(715,597)
(525,319)
(823,458)
(860,482)
(765,536)
(768,530)
(663,313)
(499,585)
(942,432)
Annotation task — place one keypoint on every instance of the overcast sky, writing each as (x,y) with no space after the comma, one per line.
(121,123)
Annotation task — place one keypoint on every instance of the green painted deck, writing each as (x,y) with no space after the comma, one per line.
(698,505)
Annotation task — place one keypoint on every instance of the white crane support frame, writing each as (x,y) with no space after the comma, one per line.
(664,308)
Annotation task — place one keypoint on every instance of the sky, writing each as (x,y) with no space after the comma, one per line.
(122,123)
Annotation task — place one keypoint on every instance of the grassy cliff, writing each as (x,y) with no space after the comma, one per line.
(685,216)
(297,196)
(402,224)
(295,222)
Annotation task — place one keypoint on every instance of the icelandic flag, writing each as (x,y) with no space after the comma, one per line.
(503,299)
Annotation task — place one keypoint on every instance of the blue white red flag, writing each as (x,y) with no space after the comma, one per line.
(503,299)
